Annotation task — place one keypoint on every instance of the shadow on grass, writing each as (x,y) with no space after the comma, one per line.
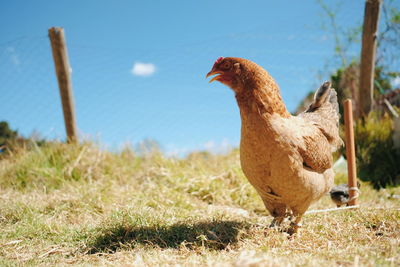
(216,235)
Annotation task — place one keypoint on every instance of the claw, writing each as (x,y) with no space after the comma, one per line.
(294,228)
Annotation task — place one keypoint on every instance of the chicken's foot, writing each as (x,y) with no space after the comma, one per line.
(276,222)
(295,225)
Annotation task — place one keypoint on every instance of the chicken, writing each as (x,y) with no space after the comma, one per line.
(287,159)
(340,194)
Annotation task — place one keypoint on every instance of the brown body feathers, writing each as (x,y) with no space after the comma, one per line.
(288,159)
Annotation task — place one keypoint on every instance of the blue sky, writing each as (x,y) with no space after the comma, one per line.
(138,67)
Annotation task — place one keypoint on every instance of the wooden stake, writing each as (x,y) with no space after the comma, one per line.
(350,151)
(368,50)
(63,72)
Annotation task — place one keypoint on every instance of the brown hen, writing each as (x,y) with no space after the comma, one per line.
(288,159)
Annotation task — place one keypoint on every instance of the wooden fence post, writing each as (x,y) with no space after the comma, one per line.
(350,152)
(63,72)
(368,50)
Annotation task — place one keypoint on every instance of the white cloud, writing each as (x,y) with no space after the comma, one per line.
(143,69)
(396,82)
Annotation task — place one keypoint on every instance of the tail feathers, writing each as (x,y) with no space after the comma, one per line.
(324,94)
(333,100)
(324,113)
(321,94)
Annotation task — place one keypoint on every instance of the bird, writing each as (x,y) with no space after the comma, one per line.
(287,159)
(340,194)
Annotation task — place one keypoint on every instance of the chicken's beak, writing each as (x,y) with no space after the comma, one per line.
(214,72)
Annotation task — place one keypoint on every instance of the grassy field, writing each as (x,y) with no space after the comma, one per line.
(79,205)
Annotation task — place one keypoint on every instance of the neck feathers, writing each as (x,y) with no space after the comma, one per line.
(261,94)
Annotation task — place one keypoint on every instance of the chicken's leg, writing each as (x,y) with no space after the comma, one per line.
(277,210)
(296,218)
(295,225)
(276,222)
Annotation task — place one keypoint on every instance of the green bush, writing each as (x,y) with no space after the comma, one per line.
(378,162)
(6,134)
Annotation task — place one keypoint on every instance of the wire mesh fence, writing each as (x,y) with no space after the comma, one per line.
(171,103)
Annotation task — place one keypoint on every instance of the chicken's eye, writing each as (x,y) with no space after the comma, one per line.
(226,65)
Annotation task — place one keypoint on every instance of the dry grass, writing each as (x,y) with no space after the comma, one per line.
(79,205)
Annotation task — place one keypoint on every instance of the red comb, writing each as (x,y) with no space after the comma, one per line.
(219,60)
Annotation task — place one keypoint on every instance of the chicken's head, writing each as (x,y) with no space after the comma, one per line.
(251,83)
(227,71)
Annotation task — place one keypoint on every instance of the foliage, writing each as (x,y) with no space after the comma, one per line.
(346,82)
(345,38)
(346,77)
(389,36)
(377,158)
(6,133)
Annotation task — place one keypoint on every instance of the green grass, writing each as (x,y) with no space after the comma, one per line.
(77,204)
